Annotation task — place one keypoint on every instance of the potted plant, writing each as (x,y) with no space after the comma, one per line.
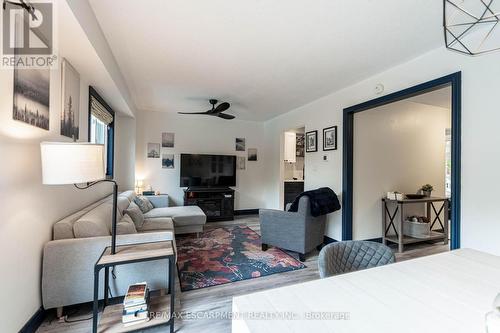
(427,190)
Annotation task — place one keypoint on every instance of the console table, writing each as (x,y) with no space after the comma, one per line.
(401,239)
(216,203)
(159,306)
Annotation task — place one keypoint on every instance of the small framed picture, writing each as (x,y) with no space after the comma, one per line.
(252,154)
(330,138)
(240,144)
(167,140)
(153,150)
(167,161)
(311,141)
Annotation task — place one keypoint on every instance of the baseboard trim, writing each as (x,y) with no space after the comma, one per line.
(240,212)
(34,322)
(328,240)
(376,240)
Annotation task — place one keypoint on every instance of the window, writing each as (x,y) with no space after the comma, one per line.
(101,127)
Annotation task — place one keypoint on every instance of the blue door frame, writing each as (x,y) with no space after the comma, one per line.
(455,81)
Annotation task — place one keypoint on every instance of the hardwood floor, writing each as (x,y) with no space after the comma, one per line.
(207,309)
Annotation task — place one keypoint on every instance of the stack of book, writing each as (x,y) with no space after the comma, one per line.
(135,304)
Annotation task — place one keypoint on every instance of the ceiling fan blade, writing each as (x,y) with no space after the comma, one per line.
(226,116)
(206,113)
(222,107)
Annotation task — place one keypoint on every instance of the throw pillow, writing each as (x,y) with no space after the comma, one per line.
(150,204)
(125,226)
(144,204)
(136,214)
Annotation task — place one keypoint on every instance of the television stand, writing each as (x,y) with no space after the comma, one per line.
(216,203)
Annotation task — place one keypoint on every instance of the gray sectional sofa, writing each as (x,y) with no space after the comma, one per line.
(79,240)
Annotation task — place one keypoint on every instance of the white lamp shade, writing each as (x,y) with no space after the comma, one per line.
(71,163)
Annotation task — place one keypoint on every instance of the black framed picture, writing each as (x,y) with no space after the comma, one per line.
(330,138)
(311,141)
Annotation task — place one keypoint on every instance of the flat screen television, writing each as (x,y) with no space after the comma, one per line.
(199,170)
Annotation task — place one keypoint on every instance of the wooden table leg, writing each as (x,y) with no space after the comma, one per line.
(400,238)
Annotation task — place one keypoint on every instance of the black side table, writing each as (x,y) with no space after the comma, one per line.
(159,306)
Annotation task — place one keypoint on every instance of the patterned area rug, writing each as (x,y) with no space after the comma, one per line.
(227,255)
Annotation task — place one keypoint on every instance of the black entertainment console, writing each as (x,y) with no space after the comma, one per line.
(217,203)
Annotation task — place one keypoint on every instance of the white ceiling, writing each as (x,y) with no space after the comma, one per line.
(264,57)
(85,59)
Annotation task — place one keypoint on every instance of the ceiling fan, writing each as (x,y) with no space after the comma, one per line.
(215,111)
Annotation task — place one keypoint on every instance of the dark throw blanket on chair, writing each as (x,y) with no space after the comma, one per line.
(323,201)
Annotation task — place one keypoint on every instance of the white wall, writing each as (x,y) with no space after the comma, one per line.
(480,148)
(28,208)
(318,173)
(397,147)
(125,152)
(204,135)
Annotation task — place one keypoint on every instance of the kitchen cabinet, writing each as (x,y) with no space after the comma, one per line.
(290,153)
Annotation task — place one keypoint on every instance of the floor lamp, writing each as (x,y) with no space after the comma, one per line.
(77,163)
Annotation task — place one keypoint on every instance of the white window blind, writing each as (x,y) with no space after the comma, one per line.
(100,112)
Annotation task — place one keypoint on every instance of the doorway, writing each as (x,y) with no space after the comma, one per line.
(292,165)
(453,82)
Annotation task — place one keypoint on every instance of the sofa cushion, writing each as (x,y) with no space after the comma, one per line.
(130,195)
(182,215)
(157,224)
(96,222)
(136,214)
(63,229)
(122,204)
(89,228)
(144,204)
(125,226)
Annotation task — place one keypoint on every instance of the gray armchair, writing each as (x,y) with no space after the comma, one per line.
(349,256)
(294,231)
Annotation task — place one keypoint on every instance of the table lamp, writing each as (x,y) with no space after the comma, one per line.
(77,163)
(139,183)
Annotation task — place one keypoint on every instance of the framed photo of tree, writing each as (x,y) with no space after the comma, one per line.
(311,141)
(70,111)
(330,138)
